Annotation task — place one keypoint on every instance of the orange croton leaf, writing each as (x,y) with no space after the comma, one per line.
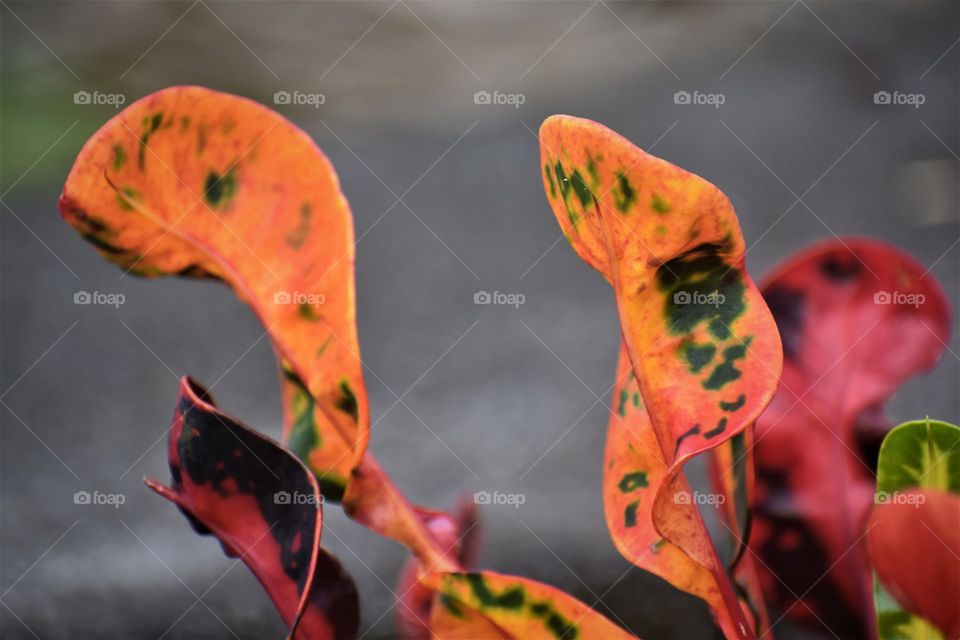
(635,474)
(263,505)
(521,608)
(194,182)
(701,340)
(451,622)
(701,343)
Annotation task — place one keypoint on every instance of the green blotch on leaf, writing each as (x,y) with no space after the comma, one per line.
(510,598)
(307,311)
(303,436)
(633,481)
(119,157)
(150,125)
(623,194)
(347,402)
(322,348)
(636,399)
(553,185)
(451,606)
(630,514)
(721,425)
(656,546)
(661,230)
(565,187)
(559,626)
(733,406)
(581,189)
(698,356)
(299,234)
(562,181)
(622,408)
(725,372)
(659,205)
(218,189)
(593,172)
(127,197)
(700,287)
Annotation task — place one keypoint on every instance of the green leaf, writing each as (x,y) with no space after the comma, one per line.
(923,454)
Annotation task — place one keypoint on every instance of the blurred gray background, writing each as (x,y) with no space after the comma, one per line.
(509,401)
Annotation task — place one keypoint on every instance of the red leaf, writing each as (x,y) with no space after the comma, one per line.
(263,505)
(915,549)
(857,318)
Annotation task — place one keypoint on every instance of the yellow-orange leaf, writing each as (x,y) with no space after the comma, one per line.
(702,342)
(519,607)
(189,181)
(646,506)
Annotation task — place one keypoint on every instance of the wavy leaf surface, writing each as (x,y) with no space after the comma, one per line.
(701,343)
(701,340)
(194,182)
(264,506)
(858,318)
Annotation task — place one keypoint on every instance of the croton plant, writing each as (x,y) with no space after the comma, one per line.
(782,386)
